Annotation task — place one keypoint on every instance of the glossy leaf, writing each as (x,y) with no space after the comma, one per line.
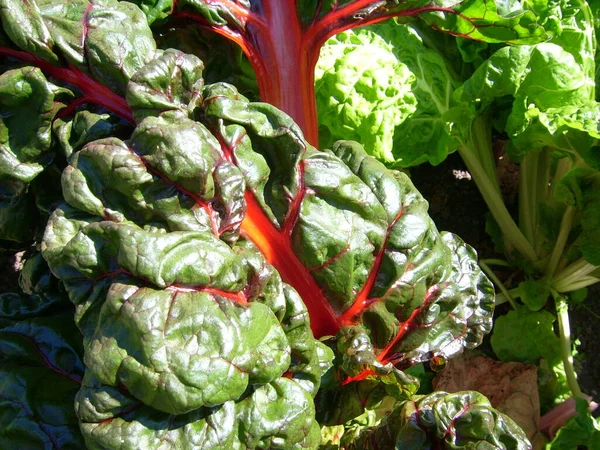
(440,420)
(195,246)
(152,234)
(28,105)
(40,373)
(110,40)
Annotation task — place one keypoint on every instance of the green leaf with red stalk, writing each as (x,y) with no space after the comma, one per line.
(206,250)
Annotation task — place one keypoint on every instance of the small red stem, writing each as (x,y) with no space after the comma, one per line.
(431,294)
(237,297)
(343,19)
(334,22)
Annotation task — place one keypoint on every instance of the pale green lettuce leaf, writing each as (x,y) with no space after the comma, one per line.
(419,124)
(363,92)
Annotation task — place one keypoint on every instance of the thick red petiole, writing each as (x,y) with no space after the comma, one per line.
(275,245)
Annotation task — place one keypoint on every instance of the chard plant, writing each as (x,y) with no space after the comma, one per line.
(231,285)
(533,104)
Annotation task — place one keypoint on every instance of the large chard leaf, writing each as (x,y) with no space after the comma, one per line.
(384,247)
(190,249)
(110,40)
(195,247)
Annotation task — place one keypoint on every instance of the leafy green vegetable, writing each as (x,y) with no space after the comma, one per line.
(583,430)
(528,336)
(207,246)
(363,91)
(413,131)
(156,257)
(525,336)
(535,103)
(40,364)
(534,293)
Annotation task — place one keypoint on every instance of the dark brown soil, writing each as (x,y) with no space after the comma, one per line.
(585,324)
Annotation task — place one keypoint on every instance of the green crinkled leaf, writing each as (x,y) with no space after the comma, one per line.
(441,420)
(426,135)
(40,373)
(84,127)
(208,356)
(192,247)
(275,415)
(110,40)
(24,24)
(382,209)
(28,105)
(237,325)
(500,75)
(184,316)
(572,129)
(155,9)
(171,82)
(417,129)
(224,60)
(551,82)
(514,71)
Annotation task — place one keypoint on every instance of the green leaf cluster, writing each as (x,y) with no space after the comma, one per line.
(199,245)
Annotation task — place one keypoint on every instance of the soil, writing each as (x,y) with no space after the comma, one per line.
(456,206)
